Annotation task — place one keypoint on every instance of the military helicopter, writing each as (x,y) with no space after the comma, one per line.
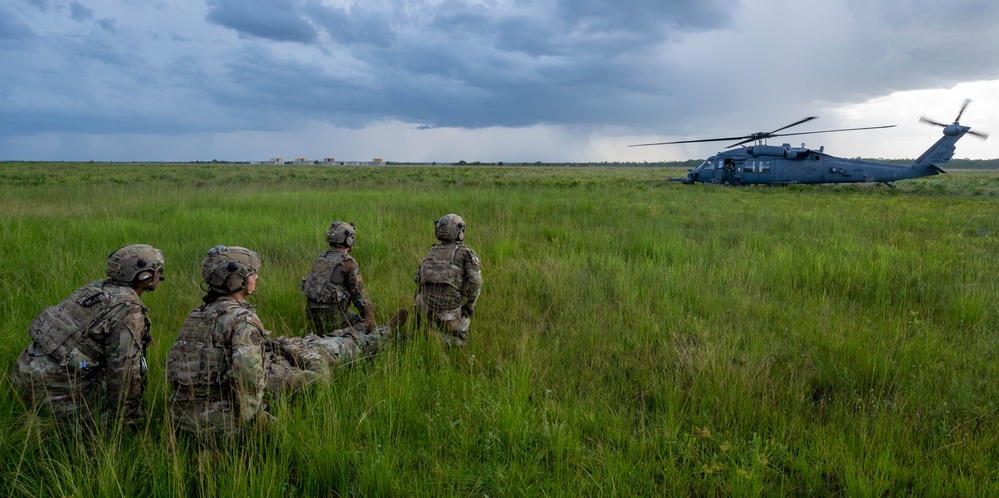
(770,164)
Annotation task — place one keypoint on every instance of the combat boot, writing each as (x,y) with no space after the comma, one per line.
(399,318)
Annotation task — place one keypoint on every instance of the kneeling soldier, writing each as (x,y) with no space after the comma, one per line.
(218,366)
(448,283)
(334,283)
(86,359)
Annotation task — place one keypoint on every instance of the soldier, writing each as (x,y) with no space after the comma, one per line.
(297,361)
(218,366)
(224,359)
(448,283)
(334,283)
(86,358)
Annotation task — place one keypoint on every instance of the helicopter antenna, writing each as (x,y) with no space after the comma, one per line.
(980,134)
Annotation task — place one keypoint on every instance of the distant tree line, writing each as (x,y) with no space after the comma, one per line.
(972,164)
(689,163)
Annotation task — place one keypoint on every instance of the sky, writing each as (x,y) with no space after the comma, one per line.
(487,80)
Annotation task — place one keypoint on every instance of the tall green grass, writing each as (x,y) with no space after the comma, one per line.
(634,337)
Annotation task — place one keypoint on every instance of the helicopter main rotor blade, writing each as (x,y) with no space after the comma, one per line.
(762,135)
(746,141)
(814,132)
(979,134)
(792,124)
(834,131)
(689,141)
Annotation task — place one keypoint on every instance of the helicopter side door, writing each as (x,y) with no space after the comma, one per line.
(719,171)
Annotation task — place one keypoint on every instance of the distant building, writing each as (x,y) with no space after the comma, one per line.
(329,161)
(276,160)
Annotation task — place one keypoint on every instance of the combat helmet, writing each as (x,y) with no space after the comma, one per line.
(226,269)
(449,228)
(135,261)
(341,234)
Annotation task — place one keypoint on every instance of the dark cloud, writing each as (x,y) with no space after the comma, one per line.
(278,20)
(42,5)
(110,25)
(354,26)
(80,12)
(462,63)
(644,64)
(645,15)
(12,28)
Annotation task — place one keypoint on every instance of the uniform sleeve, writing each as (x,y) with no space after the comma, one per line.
(248,369)
(126,365)
(472,284)
(355,287)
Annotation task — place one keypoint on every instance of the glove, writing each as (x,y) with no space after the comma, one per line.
(467,309)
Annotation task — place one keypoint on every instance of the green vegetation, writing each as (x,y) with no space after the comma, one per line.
(634,337)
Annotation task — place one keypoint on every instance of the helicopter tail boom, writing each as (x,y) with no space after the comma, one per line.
(941,151)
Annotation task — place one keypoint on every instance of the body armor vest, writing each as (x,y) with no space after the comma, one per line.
(201,354)
(319,285)
(57,329)
(439,267)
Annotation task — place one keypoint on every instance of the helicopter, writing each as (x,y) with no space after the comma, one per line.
(781,165)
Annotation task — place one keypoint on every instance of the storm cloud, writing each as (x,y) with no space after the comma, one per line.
(628,67)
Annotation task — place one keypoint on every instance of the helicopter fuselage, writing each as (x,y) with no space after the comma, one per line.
(769,164)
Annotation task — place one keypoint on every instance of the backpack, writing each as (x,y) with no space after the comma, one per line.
(439,268)
(57,329)
(199,357)
(318,285)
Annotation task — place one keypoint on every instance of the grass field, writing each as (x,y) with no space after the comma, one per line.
(634,337)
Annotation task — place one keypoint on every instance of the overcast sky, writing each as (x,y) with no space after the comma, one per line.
(486,80)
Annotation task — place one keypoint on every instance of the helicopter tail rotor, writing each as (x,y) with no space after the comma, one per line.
(979,134)
(924,119)
(963,107)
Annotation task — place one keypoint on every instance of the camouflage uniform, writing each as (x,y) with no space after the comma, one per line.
(86,360)
(218,369)
(334,283)
(224,360)
(448,283)
(346,287)
(298,361)
(217,366)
